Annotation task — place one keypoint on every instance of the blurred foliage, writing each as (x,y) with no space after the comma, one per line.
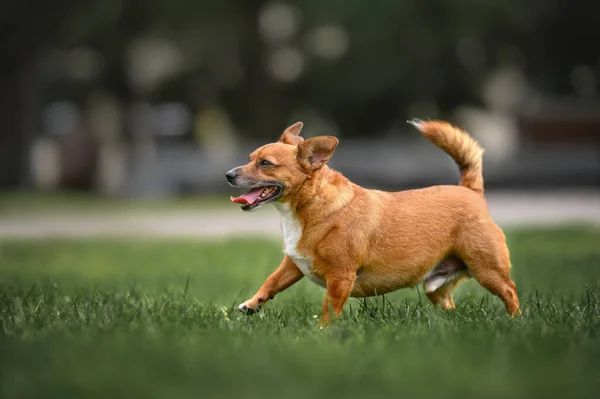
(402,55)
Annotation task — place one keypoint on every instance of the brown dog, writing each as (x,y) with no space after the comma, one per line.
(359,242)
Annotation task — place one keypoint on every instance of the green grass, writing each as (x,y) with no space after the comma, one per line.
(157,319)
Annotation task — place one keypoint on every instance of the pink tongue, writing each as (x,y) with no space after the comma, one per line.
(250,197)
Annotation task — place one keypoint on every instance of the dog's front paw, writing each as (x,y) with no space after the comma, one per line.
(248,308)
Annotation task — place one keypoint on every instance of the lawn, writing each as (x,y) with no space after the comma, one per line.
(157,319)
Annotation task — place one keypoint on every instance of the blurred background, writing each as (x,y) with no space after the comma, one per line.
(158,99)
(120,118)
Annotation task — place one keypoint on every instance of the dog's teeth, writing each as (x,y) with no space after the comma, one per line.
(267,191)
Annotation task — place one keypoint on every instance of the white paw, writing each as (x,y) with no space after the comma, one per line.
(247,309)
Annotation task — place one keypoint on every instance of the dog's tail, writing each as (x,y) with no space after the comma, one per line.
(465,151)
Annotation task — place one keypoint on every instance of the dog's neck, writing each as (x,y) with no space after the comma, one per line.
(321,195)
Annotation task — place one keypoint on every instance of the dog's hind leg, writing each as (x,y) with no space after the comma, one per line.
(487,258)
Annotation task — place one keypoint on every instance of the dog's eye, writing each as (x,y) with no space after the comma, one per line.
(264,163)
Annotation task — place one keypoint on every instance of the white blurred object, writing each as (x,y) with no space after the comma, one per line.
(328,41)
(278,22)
(506,93)
(112,171)
(505,89)
(151,60)
(286,64)
(45,163)
(496,132)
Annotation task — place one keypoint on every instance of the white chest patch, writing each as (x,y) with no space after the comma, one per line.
(292,232)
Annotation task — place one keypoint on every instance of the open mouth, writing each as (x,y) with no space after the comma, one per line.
(258,196)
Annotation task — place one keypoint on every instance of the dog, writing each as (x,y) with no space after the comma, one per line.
(360,242)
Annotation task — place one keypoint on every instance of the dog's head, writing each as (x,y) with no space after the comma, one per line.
(275,171)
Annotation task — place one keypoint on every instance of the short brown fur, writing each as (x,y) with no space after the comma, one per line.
(366,242)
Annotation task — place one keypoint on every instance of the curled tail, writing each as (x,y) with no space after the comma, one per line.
(465,151)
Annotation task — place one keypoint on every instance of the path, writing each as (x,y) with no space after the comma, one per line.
(509,209)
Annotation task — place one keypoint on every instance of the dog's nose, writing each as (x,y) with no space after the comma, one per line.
(231,175)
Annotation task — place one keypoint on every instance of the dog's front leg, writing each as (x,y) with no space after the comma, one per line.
(339,287)
(286,275)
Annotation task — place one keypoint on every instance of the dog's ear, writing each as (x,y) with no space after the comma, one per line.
(291,135)
(314,152)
